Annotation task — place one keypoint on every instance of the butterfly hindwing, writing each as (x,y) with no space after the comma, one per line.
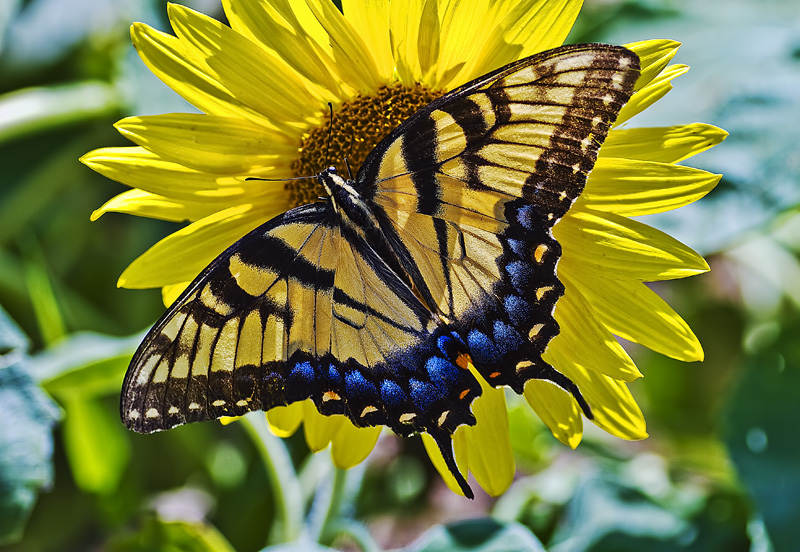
(470,187)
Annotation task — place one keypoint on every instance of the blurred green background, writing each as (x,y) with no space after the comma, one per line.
(721,470)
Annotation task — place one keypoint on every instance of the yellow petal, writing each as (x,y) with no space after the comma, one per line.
(354,62)
(405,25)
(513,30)
(319,430)
(557,409)
(200,193)
(371,19)
(489,454)
(459,447)
(613,406)
(539,25)
(634,312)
(278,28)
(429,40)
(448,45)
(145,204)
(256,78)
(351,445)
(183,254)
(586,339)
(608,244)
(171,292)
(221,145)
(484,449)
(284,420)
(654,55)
(630,187)
(138,168)
(651,93)
(171,62)
(663,144)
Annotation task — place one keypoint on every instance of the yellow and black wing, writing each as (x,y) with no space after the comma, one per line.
(468,189)
(300,308)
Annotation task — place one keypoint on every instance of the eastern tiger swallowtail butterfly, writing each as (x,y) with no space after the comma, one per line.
(373,301)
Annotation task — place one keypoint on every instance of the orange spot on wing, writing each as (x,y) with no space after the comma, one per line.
(463,361)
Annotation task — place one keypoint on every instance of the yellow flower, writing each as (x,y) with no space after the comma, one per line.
(263,85)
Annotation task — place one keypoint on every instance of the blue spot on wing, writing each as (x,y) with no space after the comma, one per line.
(392,394)
(442,373)
(301,382)
(302,374)
(481,348)
(518,310)
(424,394)
(506,337)
(519,247)
(332,377)
(356,385)
(525,216)
(449,345)
(520,273)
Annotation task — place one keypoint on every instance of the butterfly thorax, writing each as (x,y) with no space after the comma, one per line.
(346,201)
(351,207)
(356,215)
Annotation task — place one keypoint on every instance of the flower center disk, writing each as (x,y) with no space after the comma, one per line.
(358,126)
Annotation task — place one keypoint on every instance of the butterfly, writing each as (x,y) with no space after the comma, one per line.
(374,301)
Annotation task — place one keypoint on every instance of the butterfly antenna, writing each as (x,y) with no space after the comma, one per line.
(249,178)
(330,136)
(347,164)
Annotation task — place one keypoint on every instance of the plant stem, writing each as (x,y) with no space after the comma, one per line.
(282,477)
(356,532)
(326,507)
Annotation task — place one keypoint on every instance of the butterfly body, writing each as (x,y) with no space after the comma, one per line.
(438,255)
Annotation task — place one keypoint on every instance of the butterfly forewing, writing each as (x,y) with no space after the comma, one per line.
(300,308)
(472,185)
(205,358)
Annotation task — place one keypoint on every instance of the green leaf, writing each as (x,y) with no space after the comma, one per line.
(32,110)
(762,435)
(78,371)
(41,292)
(12,340)
(27,416)
(85,363)
(479,535)
(96,445)
(302,545)
(93,379)
(603,507)
(174,536)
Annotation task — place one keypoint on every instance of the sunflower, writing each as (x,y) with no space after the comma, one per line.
(263,85)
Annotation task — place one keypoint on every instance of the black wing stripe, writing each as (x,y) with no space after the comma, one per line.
(418,158)
(440,226)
